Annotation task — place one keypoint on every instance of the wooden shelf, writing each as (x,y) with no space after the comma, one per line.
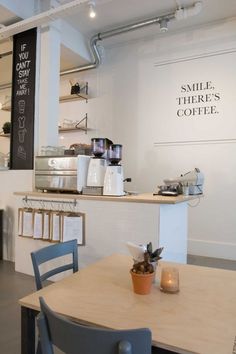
(67,130)
(70,98)
(62,99)
(78,127)
(5,135)
(6,108)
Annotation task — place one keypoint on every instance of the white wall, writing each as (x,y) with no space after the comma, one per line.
(99,107)
(127,87)
(10,182)
(134,222)
(138,122)
(5,116)
(5,95)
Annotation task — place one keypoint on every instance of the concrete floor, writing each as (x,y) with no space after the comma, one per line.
(15,285)
(212,262)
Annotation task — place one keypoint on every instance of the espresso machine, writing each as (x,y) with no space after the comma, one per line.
(193,180)
(114,177)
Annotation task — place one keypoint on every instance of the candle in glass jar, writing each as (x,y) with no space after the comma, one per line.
(169,280)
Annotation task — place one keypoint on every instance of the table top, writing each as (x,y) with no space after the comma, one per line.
(135,198)
(201,318)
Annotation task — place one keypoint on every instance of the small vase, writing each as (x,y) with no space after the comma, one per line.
(142,283)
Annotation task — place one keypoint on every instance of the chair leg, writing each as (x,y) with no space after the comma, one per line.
(28,330)
(38,350)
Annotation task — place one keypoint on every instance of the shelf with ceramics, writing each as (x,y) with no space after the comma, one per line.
(75,126)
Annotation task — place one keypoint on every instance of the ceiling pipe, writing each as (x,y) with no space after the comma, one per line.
(179,14)
(111,33)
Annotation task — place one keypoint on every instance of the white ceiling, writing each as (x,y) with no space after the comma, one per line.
(7,17)
(115,13)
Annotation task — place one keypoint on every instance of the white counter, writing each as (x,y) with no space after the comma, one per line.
(135,198)
(112,221)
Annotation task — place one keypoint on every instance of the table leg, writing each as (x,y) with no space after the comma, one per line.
(1,234)
(28,330)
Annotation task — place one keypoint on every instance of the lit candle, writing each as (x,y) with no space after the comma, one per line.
(169,280)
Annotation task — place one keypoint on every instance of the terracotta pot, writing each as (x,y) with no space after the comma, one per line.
(142,283)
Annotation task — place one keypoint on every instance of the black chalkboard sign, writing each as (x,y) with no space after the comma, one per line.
(23,100)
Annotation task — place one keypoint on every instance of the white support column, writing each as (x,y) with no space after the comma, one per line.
(47,111)
(173,231)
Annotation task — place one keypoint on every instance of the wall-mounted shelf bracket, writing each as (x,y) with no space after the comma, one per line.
(77,126)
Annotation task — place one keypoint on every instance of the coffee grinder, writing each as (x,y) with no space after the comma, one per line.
(97,164)
(114,177)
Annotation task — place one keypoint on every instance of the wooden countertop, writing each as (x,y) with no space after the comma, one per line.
(139,198)
(201,318)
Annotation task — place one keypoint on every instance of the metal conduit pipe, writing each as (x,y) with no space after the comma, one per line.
(112,33)
(104,35)
(190,11)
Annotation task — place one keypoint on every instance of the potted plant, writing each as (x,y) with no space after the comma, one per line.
(142,274)
(154,255)
(6,127)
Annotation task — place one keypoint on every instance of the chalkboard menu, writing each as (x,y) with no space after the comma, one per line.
(23,97)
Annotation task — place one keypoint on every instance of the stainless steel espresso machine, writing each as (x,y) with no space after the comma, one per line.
(61,173)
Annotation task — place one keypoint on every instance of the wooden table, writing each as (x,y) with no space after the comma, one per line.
(201,318)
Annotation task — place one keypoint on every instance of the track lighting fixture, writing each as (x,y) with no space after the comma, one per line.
(164,25)
(92,12)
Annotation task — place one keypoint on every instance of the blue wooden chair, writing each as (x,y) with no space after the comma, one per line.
(73,338)
(49,253)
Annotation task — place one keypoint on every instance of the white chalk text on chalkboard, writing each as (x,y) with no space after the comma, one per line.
(23,96)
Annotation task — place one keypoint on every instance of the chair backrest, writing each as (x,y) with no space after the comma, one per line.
(51,252)
(73,338)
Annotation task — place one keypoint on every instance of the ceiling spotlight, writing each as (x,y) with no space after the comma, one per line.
(164,25)
(92,12)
